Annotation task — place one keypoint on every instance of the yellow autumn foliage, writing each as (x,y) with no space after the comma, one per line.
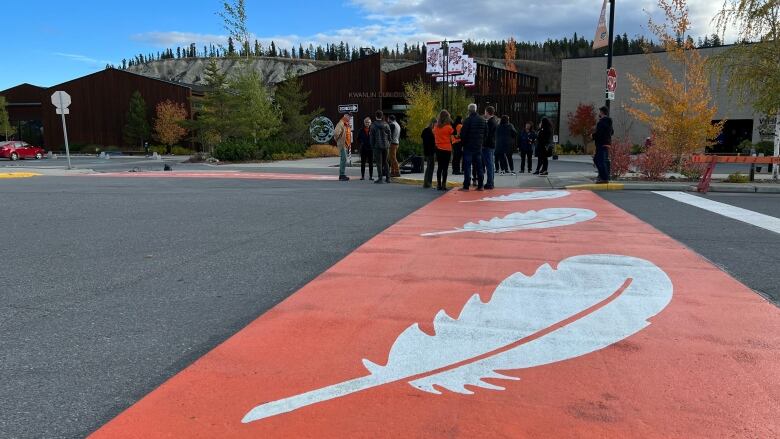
(678,110)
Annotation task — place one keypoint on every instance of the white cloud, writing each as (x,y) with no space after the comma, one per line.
(411,21)
(83,58)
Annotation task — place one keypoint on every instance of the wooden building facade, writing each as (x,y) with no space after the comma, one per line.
(364,83)
(98,112)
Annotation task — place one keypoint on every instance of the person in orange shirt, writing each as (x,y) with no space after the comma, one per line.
(457,148)
(443,132)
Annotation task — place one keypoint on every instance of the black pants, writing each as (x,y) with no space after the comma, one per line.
(443,158)
(457,158)
(382,167)
(429,163)
(506,162)
(366,159)
(526,155)
(543,161)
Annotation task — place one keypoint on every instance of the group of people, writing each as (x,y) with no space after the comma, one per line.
(476,147)
(378,141)
(481,144)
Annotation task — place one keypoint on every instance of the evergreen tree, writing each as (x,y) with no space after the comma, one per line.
(291,100)
(252,114)
(231,51)
(273,52)
(6,129)
(136,130)
(210,126)
(258,49)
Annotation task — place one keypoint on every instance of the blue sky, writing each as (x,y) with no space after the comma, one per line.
(52,41)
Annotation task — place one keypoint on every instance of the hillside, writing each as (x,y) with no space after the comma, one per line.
(273,70)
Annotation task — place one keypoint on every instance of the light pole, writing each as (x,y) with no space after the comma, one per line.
(611,40)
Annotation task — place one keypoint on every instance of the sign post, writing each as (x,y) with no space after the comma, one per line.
(61,101)
(611,83)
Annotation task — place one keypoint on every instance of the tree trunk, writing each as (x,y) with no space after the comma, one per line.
(776,167)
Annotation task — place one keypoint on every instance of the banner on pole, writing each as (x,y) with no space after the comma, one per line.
(433,58)
(455,58)
(602,34)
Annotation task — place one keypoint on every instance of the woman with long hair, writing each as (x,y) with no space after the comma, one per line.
(443,133)
(544,146)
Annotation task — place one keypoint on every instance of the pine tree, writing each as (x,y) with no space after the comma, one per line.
(291,100)
(231,51)
(210,127)
(273,52)
(136,130)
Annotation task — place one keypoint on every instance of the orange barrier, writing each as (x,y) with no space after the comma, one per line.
(706,179)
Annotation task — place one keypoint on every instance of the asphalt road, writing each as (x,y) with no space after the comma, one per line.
(111,286)
(748,253)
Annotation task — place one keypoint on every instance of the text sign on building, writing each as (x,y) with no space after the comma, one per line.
(61,101)
(349,108)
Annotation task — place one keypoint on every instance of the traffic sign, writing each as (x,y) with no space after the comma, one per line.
(611,80)
(349,108)
(61,100)
(610,95)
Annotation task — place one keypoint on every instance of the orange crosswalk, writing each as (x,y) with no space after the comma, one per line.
(542,316)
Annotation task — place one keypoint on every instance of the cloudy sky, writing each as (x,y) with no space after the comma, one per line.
(57,41)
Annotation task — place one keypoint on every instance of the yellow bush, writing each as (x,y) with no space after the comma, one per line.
(316,151)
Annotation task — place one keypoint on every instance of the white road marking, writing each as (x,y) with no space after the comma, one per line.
(746,216)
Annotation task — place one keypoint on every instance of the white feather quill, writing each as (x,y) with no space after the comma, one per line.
(586,304)
(524,196)
(542,219)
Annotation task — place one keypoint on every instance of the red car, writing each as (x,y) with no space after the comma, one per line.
(15,150)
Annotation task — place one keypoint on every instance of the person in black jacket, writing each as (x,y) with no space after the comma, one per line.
(603,138)
(544,146)
(472,137)
(506,138)
(457,147)
(380,142)
(366,152)
(429,152)
(489,149)
(527,140)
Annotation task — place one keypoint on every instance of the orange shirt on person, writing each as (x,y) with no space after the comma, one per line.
(443,137)
(456,140)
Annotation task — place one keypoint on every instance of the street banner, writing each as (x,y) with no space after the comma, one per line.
(455,57)
(469,76)
(602,35)
(433,58)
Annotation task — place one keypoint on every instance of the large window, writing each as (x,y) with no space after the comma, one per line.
(547,109)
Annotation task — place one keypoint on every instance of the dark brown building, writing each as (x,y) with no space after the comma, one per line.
(98,111)
(25,112)
(364,83)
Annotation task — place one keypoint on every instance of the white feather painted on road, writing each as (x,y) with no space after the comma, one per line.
(542,219)
(588,303)
(524,196)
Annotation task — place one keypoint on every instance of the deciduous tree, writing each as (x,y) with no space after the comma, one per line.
(582,123)
(168,125)
(422,108)
(234,20)
(753,66)
(678,110)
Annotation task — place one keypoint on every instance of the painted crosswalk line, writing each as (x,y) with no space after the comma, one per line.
(744,215)
(217,175)
(603,328)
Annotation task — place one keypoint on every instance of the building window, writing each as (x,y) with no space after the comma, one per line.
(547,109)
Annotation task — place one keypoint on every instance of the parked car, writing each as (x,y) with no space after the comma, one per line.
(15,150)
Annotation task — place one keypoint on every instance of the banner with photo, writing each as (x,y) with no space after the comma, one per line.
(602,34)
(455,57)
(434,58)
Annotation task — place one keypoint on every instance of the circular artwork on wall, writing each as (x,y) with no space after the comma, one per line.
(321,130)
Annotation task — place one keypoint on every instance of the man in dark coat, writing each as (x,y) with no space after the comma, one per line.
(603,138)
(472,137)
(380,142)
(527,140)
(489,149)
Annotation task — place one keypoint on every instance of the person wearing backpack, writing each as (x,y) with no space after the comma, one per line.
(380,143)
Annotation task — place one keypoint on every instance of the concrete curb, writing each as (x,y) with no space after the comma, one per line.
(418,182)
(681,187)
(10,175)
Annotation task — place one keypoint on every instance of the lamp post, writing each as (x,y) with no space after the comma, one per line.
(611,40)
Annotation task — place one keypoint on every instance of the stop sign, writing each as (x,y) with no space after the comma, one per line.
(61,100)
(611,80)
